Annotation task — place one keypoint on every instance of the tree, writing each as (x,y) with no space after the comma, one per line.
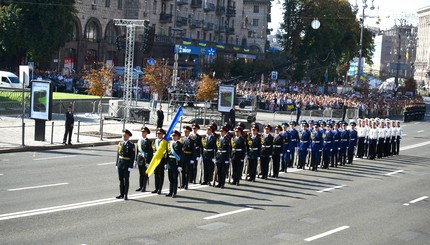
(157,77)
(207,90)
(100,83)
(44,26)
(331,46)
(10,33)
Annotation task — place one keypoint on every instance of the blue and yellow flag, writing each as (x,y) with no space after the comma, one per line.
(236,48)
(159,154)
(220,45)
(202,43)
(246,49)
(187,41)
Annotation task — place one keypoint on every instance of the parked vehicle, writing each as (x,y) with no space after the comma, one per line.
(9,80)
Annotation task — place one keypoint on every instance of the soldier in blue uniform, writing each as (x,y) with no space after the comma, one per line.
(344,142)
(266,151)
(305,140)
(254,143)
(336,145)
(316,136)
(278,145)
(174,164)
(285,150)
(328,145)
(124,164)
(294,143)
(352,142)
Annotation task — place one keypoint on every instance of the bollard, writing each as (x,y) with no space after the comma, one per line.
(101,129)
(52,133)
(79,128)
(23,134)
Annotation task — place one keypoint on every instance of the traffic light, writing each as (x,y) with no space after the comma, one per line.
(148,38)
(120,42)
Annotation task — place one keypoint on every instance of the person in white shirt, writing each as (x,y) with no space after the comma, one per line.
(373,140)
(388,132)
(393,138)
(399,136)
(362,135)
(381,139)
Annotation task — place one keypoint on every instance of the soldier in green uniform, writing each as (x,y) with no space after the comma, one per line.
(278,144)
(144,157)
(209,148)
(188,159)
(238,150)
(254,143)
(197,153)
(174,164)
(124,164)
(222,156)
(266,151)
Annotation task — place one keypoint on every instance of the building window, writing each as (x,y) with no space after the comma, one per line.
(255,22)
(119,4)
(111,34)
(75,33)
(154,7)
(107,4)
(256,9)
(91,32)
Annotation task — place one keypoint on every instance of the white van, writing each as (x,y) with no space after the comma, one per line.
(9,80)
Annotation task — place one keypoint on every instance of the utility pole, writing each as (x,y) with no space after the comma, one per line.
(129,58)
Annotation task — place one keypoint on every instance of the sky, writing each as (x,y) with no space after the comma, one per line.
(389,10)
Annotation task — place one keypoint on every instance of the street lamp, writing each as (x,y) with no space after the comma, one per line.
(364,7)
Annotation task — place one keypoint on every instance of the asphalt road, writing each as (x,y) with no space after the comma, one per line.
(66,197)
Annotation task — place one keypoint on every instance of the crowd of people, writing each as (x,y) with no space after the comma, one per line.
(237,154)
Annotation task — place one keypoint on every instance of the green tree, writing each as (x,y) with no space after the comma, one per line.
(43,26)
(331,46)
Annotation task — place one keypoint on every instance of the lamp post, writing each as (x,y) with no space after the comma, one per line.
(364,7)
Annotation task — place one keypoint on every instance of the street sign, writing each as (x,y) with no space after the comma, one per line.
(274,75)
(151,62)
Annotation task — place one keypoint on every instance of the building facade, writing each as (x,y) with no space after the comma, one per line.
(422,63)
(398,51)
(235,29)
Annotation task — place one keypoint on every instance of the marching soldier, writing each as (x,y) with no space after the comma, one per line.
(394,132)
(368,126)
(294,145)
(399,136)
(305,139)
(159,170)
(344,142)
(124,164)
(188,158)
(352,142)
(362,136)
(238,146)
(381,140)
(278,149)
(373,140)
(336,145)
(222,156)
(144,157)
(388,132)
(197,153)
(317,138)
(174,165)
(254,143)
(266,151)
(328,145)
(286,148)
(209,148)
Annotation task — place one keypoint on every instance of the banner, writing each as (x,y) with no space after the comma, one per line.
(159,154)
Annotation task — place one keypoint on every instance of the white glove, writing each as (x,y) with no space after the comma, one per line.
(229,159)
(258,158)
(165,166)
(338,148)
(129,169)
(226,162)
(191,161)
(116,167)
(213,160)
(282,155)
(365,142)
(147,165)
(331,150)
(179,169)
(296,148)
(135,165)
(246,157)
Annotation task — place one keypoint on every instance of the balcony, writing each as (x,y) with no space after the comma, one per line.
(181,2)
(269,18)
(208,26)
(207,7)
(231,11)
(165,18)
(196,3)
(219,29)
(229,31)
(181,21)
(220,10)
(196,24)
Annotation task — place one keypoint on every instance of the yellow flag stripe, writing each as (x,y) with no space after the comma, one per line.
(156,159)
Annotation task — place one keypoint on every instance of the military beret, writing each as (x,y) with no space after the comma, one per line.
(317,124)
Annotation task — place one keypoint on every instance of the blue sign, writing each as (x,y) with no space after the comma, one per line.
(197,50)
(151,62)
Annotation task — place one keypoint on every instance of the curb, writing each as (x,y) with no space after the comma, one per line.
(56,147)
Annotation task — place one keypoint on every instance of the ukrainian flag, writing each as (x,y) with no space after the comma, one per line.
(187,41)
(246,50)
(202,43)
(236,48)
(220,45)
(159,154)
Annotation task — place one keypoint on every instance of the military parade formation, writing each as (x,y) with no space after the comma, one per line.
(234,154)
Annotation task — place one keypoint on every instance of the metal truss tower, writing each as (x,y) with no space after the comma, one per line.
(129,57)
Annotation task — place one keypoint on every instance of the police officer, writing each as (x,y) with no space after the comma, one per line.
(188,158)
(197,153)
(124,164)
(305,140)
(278,149)
(286,148)
(238,152)
(352,142)
(144,157)
(159,170)
(254,143)
(209,150)
(266,151)
(174,164)
(222,156)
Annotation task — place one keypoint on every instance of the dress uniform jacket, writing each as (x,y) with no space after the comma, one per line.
(238,151)
(126,155)
(222,158)
(174,151)
(254,143)
(278,150)
(209,150)
(188,155)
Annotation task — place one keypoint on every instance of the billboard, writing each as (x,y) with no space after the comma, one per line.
(226,97)
(41,100)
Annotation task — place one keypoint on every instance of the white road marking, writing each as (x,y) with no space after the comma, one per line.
(420,131)
(416,200)
(228,213)
(331,188)
(404,134)
(414,146)
(294,170)
(326,233)
(1,174)
(35,187)
(106,163)
(416,122)
(395,172)
(50,158)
